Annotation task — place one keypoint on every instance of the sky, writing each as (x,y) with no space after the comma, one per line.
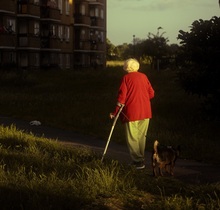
(126,18)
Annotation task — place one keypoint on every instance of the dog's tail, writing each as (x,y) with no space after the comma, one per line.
(156,143)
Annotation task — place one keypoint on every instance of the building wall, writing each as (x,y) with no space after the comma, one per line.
(42,34)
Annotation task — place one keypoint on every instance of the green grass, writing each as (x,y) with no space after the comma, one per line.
(39,173)
(82,101)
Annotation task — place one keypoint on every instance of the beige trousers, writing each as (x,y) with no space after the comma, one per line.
(136,132)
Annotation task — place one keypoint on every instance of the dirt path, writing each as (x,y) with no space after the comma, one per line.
(186,170)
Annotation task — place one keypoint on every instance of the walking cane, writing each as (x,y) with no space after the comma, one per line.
(113,125)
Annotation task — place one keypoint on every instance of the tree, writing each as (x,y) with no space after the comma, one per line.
(109,50)
(123,51)
(199,61)
(155,47)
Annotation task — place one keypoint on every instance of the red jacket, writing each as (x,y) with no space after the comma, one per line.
(135,93)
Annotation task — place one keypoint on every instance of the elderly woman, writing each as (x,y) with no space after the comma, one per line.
(135,93)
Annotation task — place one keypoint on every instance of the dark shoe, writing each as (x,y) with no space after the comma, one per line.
(139,165)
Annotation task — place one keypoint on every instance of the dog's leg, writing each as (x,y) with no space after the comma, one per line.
(161,170)
(167,169)
(154,172)
(154,164)
(171,168)
(154,168)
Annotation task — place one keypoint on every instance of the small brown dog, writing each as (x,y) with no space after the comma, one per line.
(163,156)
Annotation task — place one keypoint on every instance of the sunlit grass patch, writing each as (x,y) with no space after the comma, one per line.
(39,173)
(37,167)
(114,63)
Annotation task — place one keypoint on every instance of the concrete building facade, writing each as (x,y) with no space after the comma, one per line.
(42,34)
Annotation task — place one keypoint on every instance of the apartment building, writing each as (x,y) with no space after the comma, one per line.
(90,33)
(40,34)
(8,36)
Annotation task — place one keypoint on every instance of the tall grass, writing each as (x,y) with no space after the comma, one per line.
(82,100)
(39,173)
(35,170)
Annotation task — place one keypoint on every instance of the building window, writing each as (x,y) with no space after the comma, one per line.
(102,14)
(13,57)
(36,1)
(96,12)
(10,28)
(61,61)
(22,29)
(23,59)
(60,6)
(53,59)
(82,10)
(102,37)
(60,32)
(83,34)
(91,35)
(80,45)
(92,13)
(67,61)
(36,29)
(67,7)
(35,59)
(52,30)
(67,33)
(52,4)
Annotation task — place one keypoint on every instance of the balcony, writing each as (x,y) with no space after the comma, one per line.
(50,13)
(97,22)
(7,5)
(7,40)
(81,44)
(100,2)
(28,9)
(29,41)
(80,19)
(50,43)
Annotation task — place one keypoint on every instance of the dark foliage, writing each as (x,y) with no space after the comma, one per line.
(198,62)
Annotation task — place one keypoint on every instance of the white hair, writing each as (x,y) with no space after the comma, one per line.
(131,65)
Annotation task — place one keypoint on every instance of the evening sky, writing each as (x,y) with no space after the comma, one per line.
(126,18)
